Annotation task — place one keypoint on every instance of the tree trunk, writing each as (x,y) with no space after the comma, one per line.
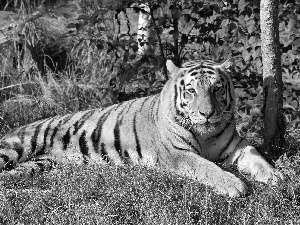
(273,98)
(143,29)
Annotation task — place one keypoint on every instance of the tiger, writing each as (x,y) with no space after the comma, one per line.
(189,129)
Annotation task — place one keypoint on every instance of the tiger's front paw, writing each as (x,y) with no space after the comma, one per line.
(269,175)
(228,184)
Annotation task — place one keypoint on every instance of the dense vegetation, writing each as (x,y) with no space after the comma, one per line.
(98,65)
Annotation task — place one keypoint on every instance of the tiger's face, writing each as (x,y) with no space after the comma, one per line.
(204,93)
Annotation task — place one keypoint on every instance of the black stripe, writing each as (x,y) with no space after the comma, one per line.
(176,147)
(53,134)
(96,134)
(104,152)
(209,72)
(8,163)
(195,68)
(206,66)
(242,139)
(42,150)
(157,108)
(175,95)
(143,103)
(117,133)
(5,158)
(153,101)
(126,155)
(151,108)
(19,149)
(227,145)
(67,119)
(83,145)
(189,143)
(117,142)
(79,123)
(138,146)
(129,106)
(34,137)
(66,139)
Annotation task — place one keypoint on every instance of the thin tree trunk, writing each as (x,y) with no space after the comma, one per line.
(143,29)
(273,99)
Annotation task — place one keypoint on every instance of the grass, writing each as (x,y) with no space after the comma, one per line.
(133,195)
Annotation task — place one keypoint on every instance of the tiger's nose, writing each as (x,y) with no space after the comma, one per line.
(207,114)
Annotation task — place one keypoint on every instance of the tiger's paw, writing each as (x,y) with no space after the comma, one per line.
(229,185)
(269,175)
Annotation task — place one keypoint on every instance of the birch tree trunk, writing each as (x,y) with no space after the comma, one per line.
(273,98)
(143,29)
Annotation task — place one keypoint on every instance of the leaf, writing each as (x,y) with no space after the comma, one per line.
(215,7)
(251,29)
(252,40)
(72,25)
(135,48)
(246,55)
(187,17)
(242,4)
(195,9)
(184,39)
(239,45)
(296,42)
(82,17)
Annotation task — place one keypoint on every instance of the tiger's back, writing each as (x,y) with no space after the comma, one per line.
(184,129)
(99,135)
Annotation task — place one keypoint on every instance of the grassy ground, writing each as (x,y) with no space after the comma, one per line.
(133,195)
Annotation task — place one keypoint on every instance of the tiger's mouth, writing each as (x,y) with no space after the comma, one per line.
(206,121)
(212,121)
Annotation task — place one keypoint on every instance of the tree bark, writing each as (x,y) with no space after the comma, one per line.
(274,126)
(143,29)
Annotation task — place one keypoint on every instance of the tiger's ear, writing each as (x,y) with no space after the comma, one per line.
(227,65)
(172,68)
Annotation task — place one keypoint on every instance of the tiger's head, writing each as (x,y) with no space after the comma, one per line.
(203,93)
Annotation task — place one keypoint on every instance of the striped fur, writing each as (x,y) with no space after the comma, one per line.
(184,129)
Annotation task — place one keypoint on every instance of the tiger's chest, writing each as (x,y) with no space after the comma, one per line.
(214,144)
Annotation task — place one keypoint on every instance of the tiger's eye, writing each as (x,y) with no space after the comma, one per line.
(191,91)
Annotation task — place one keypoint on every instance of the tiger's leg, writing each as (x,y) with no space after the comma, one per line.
(249,161)
(29,168)
(206,172)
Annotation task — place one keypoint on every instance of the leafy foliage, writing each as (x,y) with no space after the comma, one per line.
(217,29)
(180,30)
